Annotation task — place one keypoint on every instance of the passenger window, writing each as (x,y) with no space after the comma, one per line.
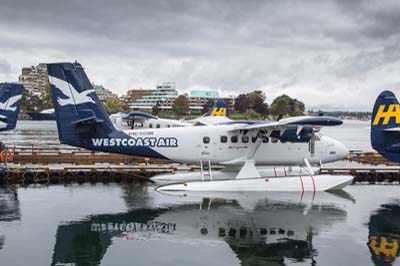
(206,140)
(158,126)
(232,232)
(245,139)
(234,139)
(265,140)
(254,139)
(224,139)
(150,125)
(274,140)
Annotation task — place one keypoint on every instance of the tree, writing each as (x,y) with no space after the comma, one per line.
(251,114)
(113,105)
(242,103)
(46,101)
(259,106)
(286,106)
(297,107)
(155,109)
(181,105)
(255,95)
(281,106)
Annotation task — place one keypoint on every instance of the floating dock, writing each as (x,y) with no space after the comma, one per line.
(65,165)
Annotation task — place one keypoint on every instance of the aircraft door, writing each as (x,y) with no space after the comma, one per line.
(208,147)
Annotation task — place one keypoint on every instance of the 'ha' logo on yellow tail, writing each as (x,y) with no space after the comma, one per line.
(218,111)
(392,111)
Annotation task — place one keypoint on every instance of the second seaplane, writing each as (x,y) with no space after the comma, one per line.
(83,122)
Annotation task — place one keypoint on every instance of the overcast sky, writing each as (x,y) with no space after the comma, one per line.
(337,54)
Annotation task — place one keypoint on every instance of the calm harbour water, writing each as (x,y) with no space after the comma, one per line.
(133,224)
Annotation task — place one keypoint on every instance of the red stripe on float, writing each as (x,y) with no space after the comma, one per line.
(313,182)
(302,185)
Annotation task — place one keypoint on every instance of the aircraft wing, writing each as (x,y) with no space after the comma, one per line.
(138,116)
(294,129)
(303,121)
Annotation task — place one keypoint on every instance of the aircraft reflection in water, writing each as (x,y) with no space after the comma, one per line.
(269,230)
(9,209)
(384,234)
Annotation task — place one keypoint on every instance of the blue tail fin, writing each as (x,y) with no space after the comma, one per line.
(385,126)
(220,108)
(79,112)
(10,96)
(81,118)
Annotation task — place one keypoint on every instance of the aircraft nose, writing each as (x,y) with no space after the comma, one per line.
(336,150)
(342,150)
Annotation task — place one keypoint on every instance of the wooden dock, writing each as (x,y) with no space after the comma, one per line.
(65,164)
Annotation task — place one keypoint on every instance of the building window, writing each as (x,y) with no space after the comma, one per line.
(158,126)
(150,125)
(224,139)
(206,140)
(245,139)
(234,139)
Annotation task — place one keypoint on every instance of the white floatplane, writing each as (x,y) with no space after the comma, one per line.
(82,121)
(218,113)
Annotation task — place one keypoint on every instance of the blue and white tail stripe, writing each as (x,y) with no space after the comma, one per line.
(10,98)
(82,120)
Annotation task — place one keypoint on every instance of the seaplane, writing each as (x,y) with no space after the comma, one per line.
(218,113)
(83,122)
(10,96)
(385,126)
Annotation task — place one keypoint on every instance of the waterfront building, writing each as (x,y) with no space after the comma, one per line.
(34,79)
(164,94)
(132,96)
(199,98)
(103,93)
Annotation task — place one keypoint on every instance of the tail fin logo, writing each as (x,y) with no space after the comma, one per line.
(74,97)
(218,111)
(393,110)
(8,104)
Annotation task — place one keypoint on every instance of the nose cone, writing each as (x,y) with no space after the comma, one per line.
(336,149)
(341,150)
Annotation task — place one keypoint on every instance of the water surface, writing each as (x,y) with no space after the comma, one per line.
(132,224)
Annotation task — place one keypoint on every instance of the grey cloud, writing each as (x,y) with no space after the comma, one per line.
(5,67)
(304,48)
